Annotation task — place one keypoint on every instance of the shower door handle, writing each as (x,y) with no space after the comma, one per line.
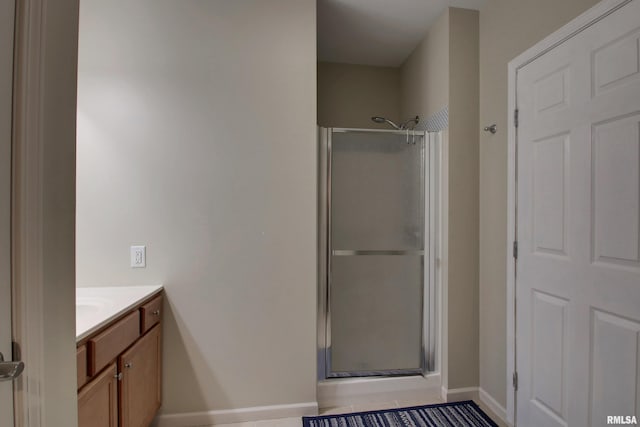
(345,252)
(9,371)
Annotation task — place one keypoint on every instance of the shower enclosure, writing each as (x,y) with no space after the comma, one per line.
(378,240)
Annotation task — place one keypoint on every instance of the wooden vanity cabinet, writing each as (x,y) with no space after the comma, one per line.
(98,401)
(106,346)
(140,387)
(81,363)
(120,370)
(150,314)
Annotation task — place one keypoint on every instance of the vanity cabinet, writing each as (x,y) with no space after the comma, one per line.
(81,363)
(120,368)
(140,394)
(98,401)
(107,345)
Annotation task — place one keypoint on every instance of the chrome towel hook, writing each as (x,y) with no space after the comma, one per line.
(492,128)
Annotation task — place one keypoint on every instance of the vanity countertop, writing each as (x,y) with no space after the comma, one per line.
(97,306)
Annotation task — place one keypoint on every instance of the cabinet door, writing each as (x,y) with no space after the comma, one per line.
(141,380)
(81,362)
(98,401)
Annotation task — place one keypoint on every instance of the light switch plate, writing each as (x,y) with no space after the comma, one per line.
(138,256)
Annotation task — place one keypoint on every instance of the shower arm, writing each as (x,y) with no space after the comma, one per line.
(415,121)
(402,126)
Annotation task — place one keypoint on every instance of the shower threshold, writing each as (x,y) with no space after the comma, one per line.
(337,392)
(386,373)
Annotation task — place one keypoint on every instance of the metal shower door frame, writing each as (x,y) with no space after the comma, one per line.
(428,254)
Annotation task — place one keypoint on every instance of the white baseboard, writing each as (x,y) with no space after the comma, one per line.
(353,391)
(459,394)
(499,410)
(228,416)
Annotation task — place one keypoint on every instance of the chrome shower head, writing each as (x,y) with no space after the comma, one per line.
(378,119)
(403,126)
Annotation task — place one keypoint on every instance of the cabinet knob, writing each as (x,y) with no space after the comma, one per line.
(156,313)
(128,365)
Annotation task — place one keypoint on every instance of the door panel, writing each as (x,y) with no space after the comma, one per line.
(376,249)
(578,267)
(549,346)
(614,368)
(140,388)
(376,306)
(6,85)
(98,401)
(376,201)
(616,191)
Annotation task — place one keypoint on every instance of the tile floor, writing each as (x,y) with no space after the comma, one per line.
(371,406)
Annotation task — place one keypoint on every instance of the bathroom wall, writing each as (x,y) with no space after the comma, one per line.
(7,12)
(525,23)
(443,71)
(56,171)
(463,198)
(349,95)
(197,138)
(424,76)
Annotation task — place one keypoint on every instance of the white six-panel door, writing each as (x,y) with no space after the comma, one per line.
(6,85)
(578,228)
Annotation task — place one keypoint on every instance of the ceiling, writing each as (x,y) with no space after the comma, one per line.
(377,32)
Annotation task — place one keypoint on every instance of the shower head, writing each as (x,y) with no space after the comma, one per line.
(378,119)
(403,126)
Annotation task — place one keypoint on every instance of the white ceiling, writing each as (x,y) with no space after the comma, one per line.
(377,32)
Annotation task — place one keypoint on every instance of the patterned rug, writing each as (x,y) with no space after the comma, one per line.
(457,414)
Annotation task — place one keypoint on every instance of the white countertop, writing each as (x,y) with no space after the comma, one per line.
(96,307)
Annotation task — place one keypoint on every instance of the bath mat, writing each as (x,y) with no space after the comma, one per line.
(457,414)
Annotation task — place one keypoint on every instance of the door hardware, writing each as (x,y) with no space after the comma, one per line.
(9,371)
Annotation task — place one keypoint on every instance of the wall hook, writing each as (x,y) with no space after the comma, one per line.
(493,128)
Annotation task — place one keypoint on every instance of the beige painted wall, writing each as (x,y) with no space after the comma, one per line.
(349,95)
(424,76)
(58,120)
(197,138)
(443,71)
(424,85)
(507,28)
(54,168)
(463,198)
(7,13)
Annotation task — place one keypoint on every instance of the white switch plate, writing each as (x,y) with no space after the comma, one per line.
(138,256)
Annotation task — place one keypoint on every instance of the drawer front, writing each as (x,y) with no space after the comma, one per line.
(151,314)
(81,360)
(104,347)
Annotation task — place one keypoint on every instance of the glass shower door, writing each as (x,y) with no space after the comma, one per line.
(376,253)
